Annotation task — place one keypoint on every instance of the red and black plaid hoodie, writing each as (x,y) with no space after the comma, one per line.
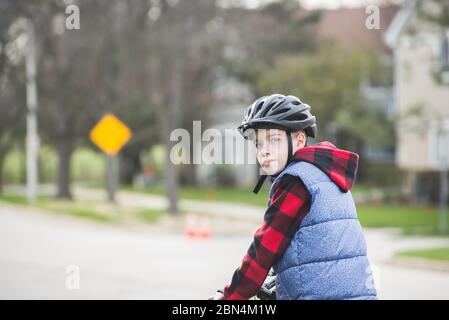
(289,205)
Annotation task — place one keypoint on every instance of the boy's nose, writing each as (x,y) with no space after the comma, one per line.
(265,150)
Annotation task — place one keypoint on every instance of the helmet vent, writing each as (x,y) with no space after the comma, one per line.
(296,117)
(275,111)
(259,106)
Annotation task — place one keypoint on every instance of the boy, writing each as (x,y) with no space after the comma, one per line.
(310,235)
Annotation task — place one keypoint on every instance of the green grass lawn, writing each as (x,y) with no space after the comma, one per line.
(397,216)
(412,220)
(99,211)
(236,195)
(434,253)
(150,216)
(80,209)
(14,199)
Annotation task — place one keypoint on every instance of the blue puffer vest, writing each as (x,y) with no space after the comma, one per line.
(327,257)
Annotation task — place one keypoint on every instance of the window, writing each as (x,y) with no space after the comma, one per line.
(443,67)
(444,56)
(438,137)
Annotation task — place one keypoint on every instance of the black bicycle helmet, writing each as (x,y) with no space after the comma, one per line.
(281,112)
(277,111)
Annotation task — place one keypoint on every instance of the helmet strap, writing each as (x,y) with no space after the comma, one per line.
(259,184)
(290,148)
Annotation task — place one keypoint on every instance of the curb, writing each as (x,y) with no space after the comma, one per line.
(419,263)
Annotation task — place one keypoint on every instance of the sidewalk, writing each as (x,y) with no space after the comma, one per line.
(148,201)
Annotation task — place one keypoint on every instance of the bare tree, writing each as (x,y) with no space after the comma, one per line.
(183,47)
(12,102)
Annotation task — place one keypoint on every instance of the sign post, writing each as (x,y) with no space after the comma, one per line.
(110,135)
(111,177)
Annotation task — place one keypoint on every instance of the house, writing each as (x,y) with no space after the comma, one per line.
(421,83)
(346,28)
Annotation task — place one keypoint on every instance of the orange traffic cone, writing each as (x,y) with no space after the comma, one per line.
(197,227)
(190,228)
(205,231)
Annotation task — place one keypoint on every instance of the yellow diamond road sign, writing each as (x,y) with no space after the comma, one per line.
(110,134)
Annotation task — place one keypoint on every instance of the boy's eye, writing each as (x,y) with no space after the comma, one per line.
(274,140)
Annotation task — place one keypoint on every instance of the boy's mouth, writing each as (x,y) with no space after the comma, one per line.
(266,163)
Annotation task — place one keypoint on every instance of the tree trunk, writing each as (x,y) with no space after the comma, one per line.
(170,170)
(64,150)
(2,158)
(23,166)
(3,153)
(130,165)
(170,119)
(171,183)
(189,175)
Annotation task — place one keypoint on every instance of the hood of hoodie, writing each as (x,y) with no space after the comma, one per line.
(340,165)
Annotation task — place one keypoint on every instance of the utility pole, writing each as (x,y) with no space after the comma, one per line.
(442,143)
(32,139)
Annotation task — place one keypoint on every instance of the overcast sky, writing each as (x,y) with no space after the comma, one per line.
(328,4)
(332,4)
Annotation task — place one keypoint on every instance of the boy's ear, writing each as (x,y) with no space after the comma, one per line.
(299,139)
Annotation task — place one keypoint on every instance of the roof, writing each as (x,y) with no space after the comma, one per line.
(400,21)
(347,28)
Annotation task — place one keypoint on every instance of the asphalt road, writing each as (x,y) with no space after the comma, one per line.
(111,262)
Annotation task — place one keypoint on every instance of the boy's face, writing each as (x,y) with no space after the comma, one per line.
(272,150)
